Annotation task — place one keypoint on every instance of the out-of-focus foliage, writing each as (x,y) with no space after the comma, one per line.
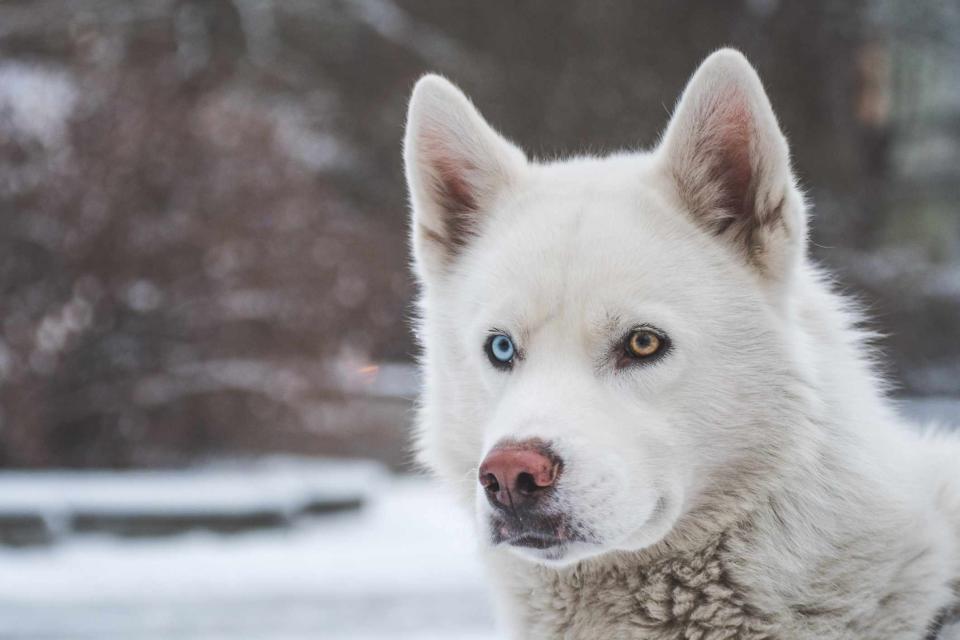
(202,215)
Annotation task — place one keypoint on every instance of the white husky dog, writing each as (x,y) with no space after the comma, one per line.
(665,421)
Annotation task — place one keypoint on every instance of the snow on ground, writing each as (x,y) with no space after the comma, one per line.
(403,567)
(283,484)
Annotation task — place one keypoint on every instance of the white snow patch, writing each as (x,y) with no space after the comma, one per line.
(405,567)
(272,484)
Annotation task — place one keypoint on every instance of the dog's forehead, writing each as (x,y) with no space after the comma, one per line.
(599,247)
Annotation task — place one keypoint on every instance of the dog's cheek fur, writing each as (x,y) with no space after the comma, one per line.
(448,439)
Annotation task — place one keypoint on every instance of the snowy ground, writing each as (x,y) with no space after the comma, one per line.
(403,567)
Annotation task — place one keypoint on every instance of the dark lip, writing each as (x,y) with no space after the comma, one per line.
(542,531)
(534,541)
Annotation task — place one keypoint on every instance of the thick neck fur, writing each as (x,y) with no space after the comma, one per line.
(841,541)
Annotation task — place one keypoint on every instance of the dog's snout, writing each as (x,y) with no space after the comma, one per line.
(516,474)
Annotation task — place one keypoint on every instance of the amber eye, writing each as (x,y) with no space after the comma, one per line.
(642,344)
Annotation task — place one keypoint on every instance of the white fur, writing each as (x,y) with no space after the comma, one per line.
(754,482)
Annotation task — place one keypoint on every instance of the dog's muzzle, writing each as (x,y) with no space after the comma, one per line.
(519,479)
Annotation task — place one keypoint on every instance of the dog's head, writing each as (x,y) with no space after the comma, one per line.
(604,356)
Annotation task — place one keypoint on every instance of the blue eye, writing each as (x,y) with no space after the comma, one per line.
(500,350)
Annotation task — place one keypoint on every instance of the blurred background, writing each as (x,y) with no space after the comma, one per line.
(205,353)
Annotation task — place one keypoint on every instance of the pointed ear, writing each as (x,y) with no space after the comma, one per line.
(724,151)
(456,167)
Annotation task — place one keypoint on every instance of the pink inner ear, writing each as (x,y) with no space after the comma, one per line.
(453,190)
(730,162)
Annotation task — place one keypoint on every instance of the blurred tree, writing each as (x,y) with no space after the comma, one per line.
(202,214)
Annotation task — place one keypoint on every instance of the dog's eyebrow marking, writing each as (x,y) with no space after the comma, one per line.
(611,323)
(611,328)
(533,327)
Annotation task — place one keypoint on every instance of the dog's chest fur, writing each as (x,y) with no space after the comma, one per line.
(698,596)
(682,597)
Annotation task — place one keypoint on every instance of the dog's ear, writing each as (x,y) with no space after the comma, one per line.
(456,167)
(724,151)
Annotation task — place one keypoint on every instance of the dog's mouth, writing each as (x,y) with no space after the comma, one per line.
(549,534)
(535,541)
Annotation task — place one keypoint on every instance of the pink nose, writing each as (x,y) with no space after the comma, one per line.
(514,474)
